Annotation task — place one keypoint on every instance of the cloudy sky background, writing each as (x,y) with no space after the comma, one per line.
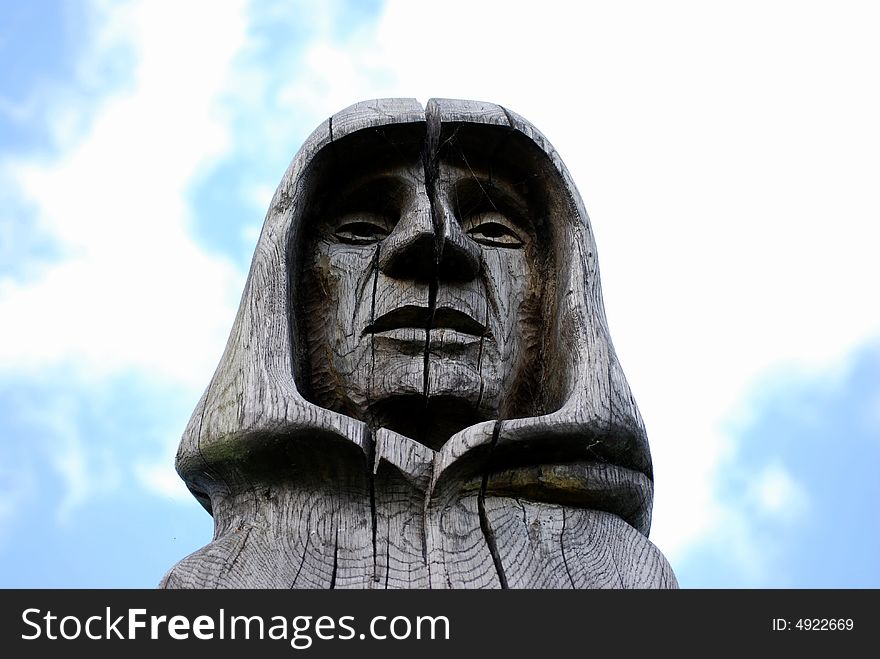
(728,154)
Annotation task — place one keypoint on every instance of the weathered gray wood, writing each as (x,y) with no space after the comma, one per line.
(529,540)
(402,471)
(460,554)
(419,389)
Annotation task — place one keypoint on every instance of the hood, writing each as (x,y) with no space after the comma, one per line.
(578,407)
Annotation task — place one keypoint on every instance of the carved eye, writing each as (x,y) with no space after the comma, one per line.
(494,230)
(361,232)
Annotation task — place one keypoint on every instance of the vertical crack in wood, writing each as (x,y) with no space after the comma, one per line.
(431,165)
(488,533)
(372,384)
(371,462)
(305,553)
(423,527)
(426,372)
(371,437)
(387,560)
(562,547)
(230,565)
(335,557)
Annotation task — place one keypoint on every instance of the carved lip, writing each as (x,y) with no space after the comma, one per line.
(412,316)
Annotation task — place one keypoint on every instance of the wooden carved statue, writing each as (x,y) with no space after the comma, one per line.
(419,390)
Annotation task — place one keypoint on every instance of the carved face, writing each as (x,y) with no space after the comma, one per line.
(420,299)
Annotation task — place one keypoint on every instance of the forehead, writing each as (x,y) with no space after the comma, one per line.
(468,157)
(495,150)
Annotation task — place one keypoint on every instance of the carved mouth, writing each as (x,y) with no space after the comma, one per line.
(412,316)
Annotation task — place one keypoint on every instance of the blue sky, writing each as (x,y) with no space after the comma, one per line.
(727,156)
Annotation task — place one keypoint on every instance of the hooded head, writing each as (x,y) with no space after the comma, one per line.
(432,272)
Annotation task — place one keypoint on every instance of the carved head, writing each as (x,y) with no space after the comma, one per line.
(426,270)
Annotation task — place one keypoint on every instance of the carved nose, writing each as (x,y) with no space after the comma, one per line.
(408,252)
(460,257)
(411,251)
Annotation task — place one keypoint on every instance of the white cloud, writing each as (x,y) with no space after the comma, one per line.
(133,290)
(132,293)
(746,536)
(85,472)
(160,478)
(777,495)
(17,487)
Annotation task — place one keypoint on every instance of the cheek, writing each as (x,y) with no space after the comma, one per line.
(341,286)
(349,280)
(508,280)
